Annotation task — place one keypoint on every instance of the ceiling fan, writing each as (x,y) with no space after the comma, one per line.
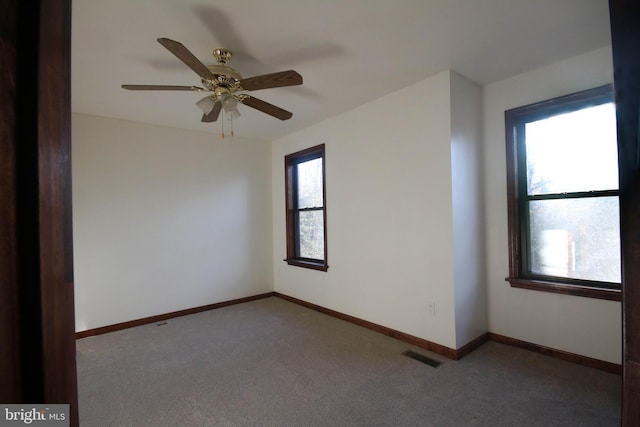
(226,86)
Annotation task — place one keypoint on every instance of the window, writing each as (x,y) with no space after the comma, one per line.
(306,212)
(562,184)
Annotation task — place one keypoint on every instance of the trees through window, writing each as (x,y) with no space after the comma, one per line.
(305,206)
(562,167)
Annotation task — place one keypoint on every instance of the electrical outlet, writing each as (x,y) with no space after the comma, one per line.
(431,308)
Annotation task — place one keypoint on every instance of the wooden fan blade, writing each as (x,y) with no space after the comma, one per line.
(162,87)
(213,114)
(183,54)
(267,108)
(266,81)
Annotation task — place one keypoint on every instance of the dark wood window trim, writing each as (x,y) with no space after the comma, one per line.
(291,161)
(562,288)
(518,277)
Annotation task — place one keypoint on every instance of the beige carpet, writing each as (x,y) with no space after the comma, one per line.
(273,363)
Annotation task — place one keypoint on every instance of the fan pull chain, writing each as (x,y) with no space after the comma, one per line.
(230,118)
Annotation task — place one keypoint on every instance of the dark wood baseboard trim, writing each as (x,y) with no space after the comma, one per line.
(472,345)
(442,350)
(410,339)
(161,317)
(558,354)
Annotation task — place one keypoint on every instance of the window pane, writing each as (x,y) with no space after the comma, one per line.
(311,235)
(576,238)
(310,184)
(573,152)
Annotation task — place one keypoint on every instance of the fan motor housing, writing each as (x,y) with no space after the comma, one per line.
(225,76)
(224,71)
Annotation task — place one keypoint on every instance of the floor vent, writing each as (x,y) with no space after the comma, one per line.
(422,358)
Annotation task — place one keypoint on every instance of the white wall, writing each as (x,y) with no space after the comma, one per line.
(579,325)
(166,219)
(468,210)
(389,213)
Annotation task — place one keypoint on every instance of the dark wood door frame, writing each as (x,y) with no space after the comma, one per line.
(625,37)
(37,346)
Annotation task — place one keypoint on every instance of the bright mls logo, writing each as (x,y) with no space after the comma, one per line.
(38,415)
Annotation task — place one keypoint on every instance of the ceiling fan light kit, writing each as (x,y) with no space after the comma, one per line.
(230,105)
(226,85)
(206,104)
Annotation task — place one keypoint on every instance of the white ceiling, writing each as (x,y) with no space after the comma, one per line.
(349,52)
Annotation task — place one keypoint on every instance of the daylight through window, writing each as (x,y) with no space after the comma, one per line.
(306,214)
(563,195)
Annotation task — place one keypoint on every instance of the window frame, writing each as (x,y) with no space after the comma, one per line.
(516,184)
(291,194)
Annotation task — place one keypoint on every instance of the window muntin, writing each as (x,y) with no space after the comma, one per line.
(306,214)
(562,166)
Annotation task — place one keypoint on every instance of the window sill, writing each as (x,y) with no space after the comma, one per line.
(314,265)
(561,288)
